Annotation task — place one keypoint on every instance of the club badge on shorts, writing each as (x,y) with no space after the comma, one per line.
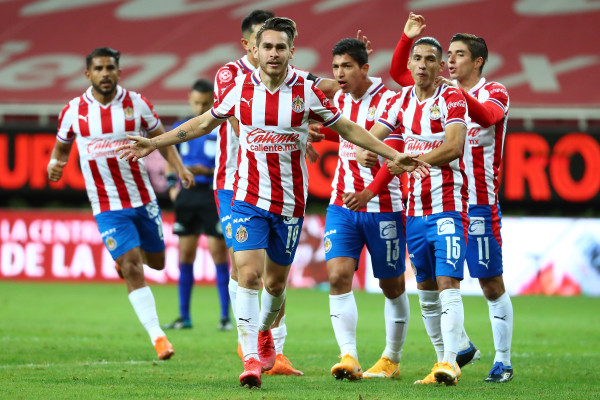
(228,230)
(327,245)
(241,235)
(111,243)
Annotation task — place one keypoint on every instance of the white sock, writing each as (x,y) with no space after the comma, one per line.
(248,312)
(344,317)
(269,309)
(232,288)
(143,303)
(452,321)
(396,312)
(279,335)
(501,316)
(431,311)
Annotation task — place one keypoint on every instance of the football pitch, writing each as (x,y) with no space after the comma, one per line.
(83,341)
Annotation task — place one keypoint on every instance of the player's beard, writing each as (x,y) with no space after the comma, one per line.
(105,92)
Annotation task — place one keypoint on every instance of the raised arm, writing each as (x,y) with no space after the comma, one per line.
(415,25)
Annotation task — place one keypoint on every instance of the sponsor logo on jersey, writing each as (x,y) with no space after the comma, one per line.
(108,232)
(445,226)
(268,141)
(226,218)
(228,230)
(371,113)
(111,243)
(477,226)
(240,220)
(225,75)
(327,245)
(387,230)
(325,102)
(434,112)
(101,147)
(412,145)
(459,103)
(241,235)
(298,104)
(331,232)
(128,113)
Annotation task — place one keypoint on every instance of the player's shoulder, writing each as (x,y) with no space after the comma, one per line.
(495,88)
(447,91)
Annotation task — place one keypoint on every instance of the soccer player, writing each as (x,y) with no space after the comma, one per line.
(488,105)
(432,120)
(196,213)
(273,106)
(123,202)
(377,221)
(226,166)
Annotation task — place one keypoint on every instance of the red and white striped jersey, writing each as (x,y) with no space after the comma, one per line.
(271,172)
(227,140)
(483,151)
(423,124)
(350,176)
(111,183)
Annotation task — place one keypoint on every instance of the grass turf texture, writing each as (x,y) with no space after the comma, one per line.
(83,341)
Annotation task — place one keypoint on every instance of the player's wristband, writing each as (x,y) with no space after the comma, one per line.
(171,180)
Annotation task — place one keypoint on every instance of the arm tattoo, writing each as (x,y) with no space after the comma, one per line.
(181,134)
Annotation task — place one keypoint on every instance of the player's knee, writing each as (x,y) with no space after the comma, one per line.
(391,289)
(248,277)
(156,261)
(275,287)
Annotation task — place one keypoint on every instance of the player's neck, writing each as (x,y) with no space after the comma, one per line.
(468,82)
(104,99)
(362,89)
(424,93)
(272,82)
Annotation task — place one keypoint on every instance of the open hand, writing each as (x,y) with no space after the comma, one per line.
(140,148)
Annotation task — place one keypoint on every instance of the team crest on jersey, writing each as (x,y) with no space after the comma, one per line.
(298,104)
(225,75)
(371,113)
(128,113)
(434,112)
(111,243)
(241,235)
(327,245)
(228,230)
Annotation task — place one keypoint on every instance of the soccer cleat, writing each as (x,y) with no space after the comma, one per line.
(164,349)
(225,324)
(266,349)
(348,368)
(428,380)
(468,356)
(500,373)
(283,366)
(446,373)
(251,375)
(240,352)
(119,272)
(179,323)
(383,368)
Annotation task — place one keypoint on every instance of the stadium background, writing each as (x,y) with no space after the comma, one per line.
(539,51)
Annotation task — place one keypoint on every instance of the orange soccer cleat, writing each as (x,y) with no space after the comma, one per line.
(283,366)
(164,349)
(266,349)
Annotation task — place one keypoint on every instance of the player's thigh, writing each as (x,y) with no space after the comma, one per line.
(217,249)
(384,235)
(150,229)
(284,236)
(224,201)
(342,234)
(251,265)
(484,247)
(420,250)
(118,231)
(447,230)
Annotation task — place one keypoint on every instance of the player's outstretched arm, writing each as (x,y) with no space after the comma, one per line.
(192,129)
(173,158)
(58,160)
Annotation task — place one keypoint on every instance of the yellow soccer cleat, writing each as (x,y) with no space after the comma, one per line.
(348,368)
(283,366)
(164,349)
(446,373)
(383,368)
(428,380)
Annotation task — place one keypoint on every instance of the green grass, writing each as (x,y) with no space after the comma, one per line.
(83,341)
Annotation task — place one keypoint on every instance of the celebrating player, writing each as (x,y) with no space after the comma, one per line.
(122,198)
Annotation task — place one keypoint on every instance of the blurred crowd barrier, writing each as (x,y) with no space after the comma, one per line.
(542,256)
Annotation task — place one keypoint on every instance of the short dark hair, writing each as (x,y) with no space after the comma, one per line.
(430,41)
(102,52)
(354,48)
(203,86)
(279,24)
(254,18)
(476,46)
